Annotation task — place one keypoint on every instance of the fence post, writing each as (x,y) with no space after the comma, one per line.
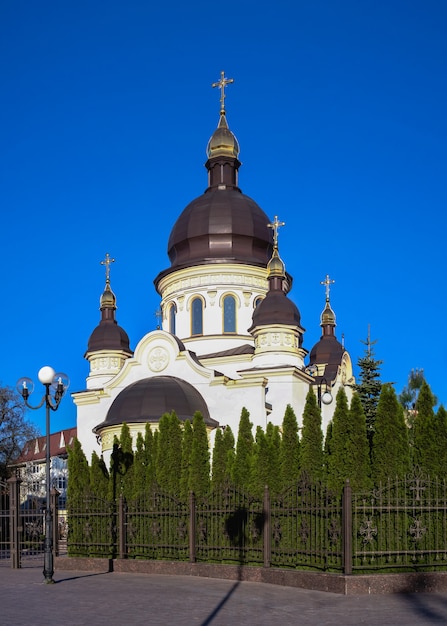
(121,528)
(14,521)
(192,527)
(267,531)
(54,505)
(347,527)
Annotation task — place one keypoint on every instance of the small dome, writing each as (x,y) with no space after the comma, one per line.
(328,315)
(108,336)
(222,141)
(275,267)
(108,298)
(148,399)
(276,308)
(328,350)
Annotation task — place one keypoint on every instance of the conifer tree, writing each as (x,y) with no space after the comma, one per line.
(369,386)
(218,459)
(311,445)
(244,452)
(261,464)
(349,453)
(273,437)
(390,454)
(290,449)
(441,423)
(199,482)
(425,445)
(169,453)
(99,477)
(150,454)
(358,448)
(185,471)
(124,460)
(327,450)
(230,452)
(139,467)
(78,471)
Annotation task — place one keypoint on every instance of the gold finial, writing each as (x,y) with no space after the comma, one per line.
(107,262)
(275,226)
(222,83)
(328,282)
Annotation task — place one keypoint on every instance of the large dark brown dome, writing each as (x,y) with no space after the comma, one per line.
(222,225)
(148,399)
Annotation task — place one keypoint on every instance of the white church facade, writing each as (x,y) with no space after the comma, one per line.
(230,335)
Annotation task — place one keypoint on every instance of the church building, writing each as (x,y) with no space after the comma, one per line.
(230,337)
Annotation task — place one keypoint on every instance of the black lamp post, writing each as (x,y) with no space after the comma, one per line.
(55,387)
(324,397)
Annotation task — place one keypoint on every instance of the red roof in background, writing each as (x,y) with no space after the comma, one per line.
(36,449)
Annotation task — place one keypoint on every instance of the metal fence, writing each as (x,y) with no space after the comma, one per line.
(4,524)
(401,525)
(22,526)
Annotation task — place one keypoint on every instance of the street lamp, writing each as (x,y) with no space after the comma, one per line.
(55,387)
(325,396)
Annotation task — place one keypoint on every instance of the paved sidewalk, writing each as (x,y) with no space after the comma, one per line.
(81,598)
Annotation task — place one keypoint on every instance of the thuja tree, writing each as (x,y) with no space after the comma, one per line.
(327,450)
(390,453)
(125,463)
(219,460)
(289,452)
(78,490)
(261,462)
(441,420)
(185,471)
(273,437)
(169,453)
(99,476)
(349,454)
(223,457)
(244,451)
(78,472)
(311,445)
(144,462)
(426,432)
(370,385)
(199,481)
(230,452)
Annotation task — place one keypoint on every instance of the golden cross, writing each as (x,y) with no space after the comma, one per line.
(222,83)
(275,226)
(328,282)
(107,262)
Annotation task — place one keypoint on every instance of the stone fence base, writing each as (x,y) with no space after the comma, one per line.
(427,582)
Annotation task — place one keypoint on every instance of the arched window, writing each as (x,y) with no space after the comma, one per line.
(197,317)
(172,314)
(258,301)
(229,314)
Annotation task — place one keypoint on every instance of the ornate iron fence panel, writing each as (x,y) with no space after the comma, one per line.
(229,528)
(156,526)
(402,524)
(92,527)
(4,524)
(306,528)
(31,527)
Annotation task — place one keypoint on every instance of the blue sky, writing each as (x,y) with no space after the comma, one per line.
(340,111)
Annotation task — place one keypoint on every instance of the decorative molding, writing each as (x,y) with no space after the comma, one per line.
(158,359)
